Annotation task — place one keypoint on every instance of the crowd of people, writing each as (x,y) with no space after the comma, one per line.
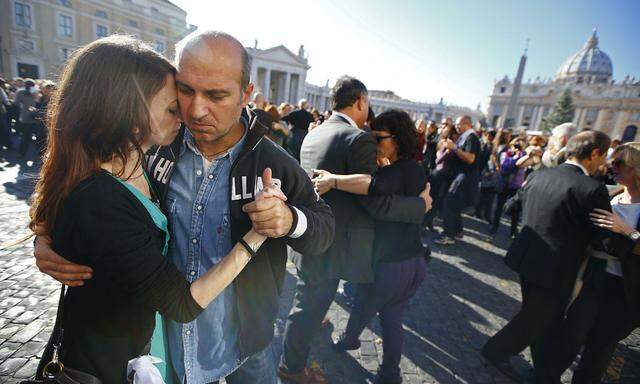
(168,207)
(23,105)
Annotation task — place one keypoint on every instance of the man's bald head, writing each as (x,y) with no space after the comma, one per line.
(464,123)
(204,46)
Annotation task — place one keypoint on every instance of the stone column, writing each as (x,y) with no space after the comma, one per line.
(287,79)
(302,78)
(254,76)
(267,84)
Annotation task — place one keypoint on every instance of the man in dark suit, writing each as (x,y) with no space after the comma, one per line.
(299,120)
(339,146)
(548,252)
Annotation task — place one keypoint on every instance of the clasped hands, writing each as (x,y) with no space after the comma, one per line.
(269,214)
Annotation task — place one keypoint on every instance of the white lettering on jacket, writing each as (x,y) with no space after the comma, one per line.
(243,192)
(162,170)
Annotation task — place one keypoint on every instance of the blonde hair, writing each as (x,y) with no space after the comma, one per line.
(630,153)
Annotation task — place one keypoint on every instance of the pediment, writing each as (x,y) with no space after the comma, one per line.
(282,55)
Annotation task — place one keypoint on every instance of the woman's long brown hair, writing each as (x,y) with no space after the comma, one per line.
(100,112)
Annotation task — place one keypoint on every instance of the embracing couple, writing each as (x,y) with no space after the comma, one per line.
(141,214)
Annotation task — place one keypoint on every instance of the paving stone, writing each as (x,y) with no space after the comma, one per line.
(11,365)
(28,332)
(28,370)
(30,349)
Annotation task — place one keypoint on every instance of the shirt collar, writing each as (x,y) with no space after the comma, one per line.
(464,136)
(577,165)
(189,142)
(346,117)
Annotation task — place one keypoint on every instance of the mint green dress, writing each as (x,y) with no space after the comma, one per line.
(159,342)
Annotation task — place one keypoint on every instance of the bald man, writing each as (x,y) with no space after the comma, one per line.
(208,178)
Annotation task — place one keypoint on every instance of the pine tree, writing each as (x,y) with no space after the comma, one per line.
(562,112)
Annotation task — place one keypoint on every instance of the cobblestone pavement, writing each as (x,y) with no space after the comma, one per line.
(468,295)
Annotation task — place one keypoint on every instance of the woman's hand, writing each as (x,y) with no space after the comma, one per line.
(269,215)
(323,181)
(611,221)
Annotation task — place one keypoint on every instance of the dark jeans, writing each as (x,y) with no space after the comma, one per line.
(598,319)
(295,142)
(394,284)
(310,305)
(260,368)
(5,132)
(485,203)
(452,215)
(541,309)
(28,130)
(440,182)
(497,214)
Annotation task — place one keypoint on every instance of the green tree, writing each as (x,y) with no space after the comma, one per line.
(562,112)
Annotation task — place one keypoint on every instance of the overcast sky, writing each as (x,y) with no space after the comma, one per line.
(424,50)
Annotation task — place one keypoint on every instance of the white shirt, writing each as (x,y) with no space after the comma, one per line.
(346,117)
(630,213)
(579,166)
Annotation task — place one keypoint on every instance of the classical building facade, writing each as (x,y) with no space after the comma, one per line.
(281,76)
(278,73)
(37,36)
(600,102)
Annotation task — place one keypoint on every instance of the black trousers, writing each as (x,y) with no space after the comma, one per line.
(440,182)
(485,203)
(452,216)
(541,309)
(310,305)
(598,319)
(394,285)
(497,214)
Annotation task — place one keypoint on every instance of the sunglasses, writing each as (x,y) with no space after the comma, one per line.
(380,138)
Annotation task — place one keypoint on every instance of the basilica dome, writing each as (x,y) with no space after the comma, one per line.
(589,65)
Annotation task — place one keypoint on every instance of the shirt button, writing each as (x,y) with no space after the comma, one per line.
(194,240)
(210,177)
(199,172)
(188,332)
(192,273)
(199,207)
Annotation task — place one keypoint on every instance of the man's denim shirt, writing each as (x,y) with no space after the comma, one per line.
(206,349)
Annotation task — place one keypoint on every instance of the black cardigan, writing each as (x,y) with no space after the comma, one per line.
(110,319)
(396,241)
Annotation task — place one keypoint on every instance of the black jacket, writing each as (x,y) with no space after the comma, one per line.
(259,284)
(340,148)
(396,241)
(556,203)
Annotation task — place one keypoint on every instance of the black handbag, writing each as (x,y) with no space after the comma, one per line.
(51,370)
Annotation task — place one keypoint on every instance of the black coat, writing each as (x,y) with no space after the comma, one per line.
(556,203)
(340,148)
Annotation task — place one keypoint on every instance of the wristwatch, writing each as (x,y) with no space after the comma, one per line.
(635,235)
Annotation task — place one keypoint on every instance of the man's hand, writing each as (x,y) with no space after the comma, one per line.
(323,181)
(52,264)
(269,214)
(450,145)
(426,195)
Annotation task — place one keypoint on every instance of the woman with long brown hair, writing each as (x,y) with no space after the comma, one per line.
(115,100)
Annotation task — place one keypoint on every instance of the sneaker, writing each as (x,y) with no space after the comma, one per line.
(444,240)
(341,345)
